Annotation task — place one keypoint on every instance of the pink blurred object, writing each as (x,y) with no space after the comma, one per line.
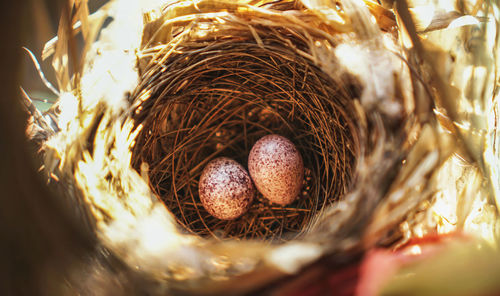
(379,265)
(368,276)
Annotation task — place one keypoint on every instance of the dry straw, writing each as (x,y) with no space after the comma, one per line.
(214,77)
(201,79)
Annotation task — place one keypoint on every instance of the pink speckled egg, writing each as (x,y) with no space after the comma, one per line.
(276,168)
(225,188)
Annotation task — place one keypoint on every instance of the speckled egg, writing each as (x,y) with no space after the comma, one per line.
(276,168)
(226,190)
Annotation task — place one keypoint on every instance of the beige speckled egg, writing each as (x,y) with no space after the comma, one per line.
(276,168)
(226,190)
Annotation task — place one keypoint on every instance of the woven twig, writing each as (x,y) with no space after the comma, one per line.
(217,95)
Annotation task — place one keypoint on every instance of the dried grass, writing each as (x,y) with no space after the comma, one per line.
(214,76)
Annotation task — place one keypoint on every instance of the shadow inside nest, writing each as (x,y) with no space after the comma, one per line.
(218,100)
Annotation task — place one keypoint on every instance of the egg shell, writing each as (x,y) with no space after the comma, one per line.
(225,188)
(277,169)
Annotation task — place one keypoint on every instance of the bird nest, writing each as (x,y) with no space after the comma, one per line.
(213,78)
(207,79)
(216,95)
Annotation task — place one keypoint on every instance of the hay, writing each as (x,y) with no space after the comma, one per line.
(209,79)
(213,77)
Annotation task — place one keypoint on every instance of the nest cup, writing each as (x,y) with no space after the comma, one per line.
(217,87)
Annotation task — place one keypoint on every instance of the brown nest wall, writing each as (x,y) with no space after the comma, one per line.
(216,96)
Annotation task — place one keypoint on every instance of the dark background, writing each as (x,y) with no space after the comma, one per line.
(38,241)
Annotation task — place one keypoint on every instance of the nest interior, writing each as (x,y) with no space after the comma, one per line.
(216,96)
